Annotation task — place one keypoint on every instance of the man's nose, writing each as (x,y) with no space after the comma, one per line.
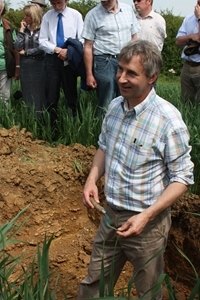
(122,77)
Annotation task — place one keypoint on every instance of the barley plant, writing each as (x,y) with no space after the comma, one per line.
(86,126)
(31,284)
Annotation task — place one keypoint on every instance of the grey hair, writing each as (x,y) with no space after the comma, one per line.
(3,5)
(150,56)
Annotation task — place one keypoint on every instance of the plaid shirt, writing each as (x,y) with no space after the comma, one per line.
(110,31)
(147,148)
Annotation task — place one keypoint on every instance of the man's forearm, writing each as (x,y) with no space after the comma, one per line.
(17,57)
(171,194)
(98,166)
(88,60)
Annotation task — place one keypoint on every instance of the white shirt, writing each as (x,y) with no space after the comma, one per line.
(110,31)
(153,29)
(72,25)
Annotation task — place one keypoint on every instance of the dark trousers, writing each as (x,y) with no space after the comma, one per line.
(57,76)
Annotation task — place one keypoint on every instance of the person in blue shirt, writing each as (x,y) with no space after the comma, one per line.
(190,74)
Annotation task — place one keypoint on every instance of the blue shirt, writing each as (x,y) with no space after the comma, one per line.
(190,25)
(146,149)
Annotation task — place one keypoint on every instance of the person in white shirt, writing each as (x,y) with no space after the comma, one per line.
(153,25)
(58,71)
(107,28)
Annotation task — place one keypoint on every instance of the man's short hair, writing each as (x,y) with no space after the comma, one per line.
(150,56)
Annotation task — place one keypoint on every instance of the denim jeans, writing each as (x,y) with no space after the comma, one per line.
(105,70)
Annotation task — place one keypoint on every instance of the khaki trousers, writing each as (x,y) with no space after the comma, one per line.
(190,83)
(136,249)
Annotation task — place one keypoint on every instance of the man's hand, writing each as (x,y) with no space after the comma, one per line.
(90,189)
(134,225)
(22,52)
(62,53)
(91,81)
(195,37)
(17,74)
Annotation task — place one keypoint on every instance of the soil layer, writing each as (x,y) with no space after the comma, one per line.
(51,180)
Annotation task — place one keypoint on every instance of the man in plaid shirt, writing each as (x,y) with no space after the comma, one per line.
(144,154)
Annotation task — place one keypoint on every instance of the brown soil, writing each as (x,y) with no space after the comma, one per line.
(51,181)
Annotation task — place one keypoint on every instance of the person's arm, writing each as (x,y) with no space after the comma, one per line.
(183,40)
(197,14)
(96,172)
(17,64)
(88,60)
(17,58)
(47,45)
(136,224)
(20,38)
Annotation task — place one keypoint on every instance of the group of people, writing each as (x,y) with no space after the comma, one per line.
(144,150)
(43,64)
(106,29)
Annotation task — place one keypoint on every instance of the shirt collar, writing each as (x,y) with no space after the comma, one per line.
(138,109)
(150,15)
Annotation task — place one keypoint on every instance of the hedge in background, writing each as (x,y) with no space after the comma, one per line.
(171,53)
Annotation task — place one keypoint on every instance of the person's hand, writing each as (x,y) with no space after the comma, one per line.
(23,26)
(195,37)
(197,11)
(134,225)
(91,81)
(62,53)
(17,74)
(90,189)
(22,52)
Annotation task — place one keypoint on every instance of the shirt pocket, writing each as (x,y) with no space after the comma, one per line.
(139,156)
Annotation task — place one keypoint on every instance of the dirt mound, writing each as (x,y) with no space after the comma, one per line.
(51,181)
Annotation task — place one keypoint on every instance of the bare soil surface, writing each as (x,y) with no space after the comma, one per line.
(51,181)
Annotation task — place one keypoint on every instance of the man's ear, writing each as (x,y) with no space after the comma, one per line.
(153,78)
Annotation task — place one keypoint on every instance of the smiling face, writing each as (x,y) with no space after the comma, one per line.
(133,83)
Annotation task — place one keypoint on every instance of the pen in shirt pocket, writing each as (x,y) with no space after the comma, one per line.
(136,142)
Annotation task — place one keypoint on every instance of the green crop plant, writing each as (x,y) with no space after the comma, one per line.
(31,284)
(85,127)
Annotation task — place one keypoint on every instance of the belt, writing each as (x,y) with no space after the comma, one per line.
(115,56)
(192,63)
(41,57)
